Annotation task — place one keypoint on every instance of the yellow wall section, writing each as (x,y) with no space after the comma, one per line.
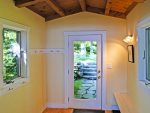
(139,93)
(115,51)
(29,98)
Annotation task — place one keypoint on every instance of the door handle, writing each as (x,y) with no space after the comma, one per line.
(144,55)
(99,77)
(98,72)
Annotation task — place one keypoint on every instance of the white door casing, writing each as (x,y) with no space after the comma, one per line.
(100,101)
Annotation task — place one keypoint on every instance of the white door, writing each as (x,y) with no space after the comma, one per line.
(85,66)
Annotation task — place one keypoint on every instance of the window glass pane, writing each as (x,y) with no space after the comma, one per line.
(148,54)
(23,58)
(11,54)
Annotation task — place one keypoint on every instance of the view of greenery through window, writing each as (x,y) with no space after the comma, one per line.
(10,55)
(85,69)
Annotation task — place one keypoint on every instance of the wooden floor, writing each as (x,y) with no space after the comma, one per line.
(58,111)
(64,111)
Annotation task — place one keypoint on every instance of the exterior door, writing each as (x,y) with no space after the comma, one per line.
(85,68)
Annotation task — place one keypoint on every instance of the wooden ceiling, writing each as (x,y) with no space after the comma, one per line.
(52,9)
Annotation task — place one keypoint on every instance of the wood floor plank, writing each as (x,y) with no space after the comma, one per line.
(58,110)
(108,111)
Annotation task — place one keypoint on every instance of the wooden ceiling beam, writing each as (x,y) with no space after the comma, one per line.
(108,7)
(24,4)
(82,4)
(55,7)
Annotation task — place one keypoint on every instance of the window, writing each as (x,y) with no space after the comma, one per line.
(144,51)
(13,55)
(147,47)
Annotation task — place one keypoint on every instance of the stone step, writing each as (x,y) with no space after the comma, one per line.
(90,66)
(89,73)
(91,63)
(85,66)
(89,69)
(86,71)
(89,77)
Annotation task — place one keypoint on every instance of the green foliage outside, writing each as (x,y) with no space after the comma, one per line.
(77,84)
(89,57)
(77,51)
(9,60)
(77,46)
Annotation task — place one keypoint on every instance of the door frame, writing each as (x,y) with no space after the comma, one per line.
(66,63)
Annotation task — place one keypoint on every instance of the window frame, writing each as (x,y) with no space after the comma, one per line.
(147,31)
(142,58)
(5,88)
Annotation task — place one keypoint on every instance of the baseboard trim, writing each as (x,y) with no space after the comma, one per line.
(65,106)
(44,108)
(56,105)
(111,108)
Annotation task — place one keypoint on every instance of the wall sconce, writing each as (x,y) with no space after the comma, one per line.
(128,39)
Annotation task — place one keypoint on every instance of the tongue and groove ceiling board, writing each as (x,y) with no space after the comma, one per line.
(52,9)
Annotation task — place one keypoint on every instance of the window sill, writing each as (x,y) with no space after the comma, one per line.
(145,86)
(6,88)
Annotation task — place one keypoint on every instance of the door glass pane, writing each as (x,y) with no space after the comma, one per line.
(85,69)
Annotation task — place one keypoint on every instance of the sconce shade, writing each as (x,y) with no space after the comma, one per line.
(128,39)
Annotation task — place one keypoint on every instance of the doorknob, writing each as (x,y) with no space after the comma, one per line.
(98,71)
(98,77)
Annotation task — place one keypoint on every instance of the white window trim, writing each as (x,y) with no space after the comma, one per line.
(20,81)
(141,28)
